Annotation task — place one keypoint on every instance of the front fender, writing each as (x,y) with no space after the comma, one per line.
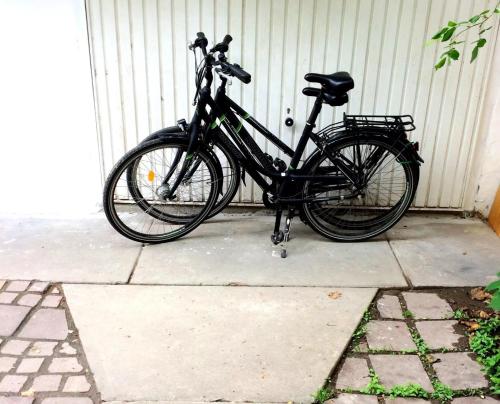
(170,131)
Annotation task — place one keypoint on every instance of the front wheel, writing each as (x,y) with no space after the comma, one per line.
(344,211)
(194,198)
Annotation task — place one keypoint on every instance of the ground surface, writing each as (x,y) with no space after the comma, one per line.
(218,315)
(413,337)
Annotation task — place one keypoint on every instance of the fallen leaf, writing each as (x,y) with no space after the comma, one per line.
(432,359)
(334,295)
(483,314)
(27,393)
(473,326)
(479,294)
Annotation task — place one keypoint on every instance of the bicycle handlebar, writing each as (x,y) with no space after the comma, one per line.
(234,70)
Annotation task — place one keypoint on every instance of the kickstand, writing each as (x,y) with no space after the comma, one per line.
(286,233)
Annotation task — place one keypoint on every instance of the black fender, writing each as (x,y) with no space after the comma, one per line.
(171,130)
(178,134)
(398,137)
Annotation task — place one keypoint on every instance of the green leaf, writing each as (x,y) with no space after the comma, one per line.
(474,19)
(454,54)
(485,12)
(481,42)
(475,51)
(447,35)
(493,286)
(495,302)
(497,10)
(441,32)
(452,23)
(440,64)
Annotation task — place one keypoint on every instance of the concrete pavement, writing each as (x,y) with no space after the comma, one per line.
(190,343)
(259,343)
(426,250)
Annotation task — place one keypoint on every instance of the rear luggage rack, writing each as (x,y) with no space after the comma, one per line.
(387,122)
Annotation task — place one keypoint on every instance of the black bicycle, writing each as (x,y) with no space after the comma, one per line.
(357,183)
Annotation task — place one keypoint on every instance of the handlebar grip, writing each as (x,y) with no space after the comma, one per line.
(200,35)
(239,73)
(227,39)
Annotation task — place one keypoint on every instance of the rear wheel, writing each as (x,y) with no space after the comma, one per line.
(341,211)
(151,162)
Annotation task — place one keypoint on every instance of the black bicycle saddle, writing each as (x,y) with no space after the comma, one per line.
(335,84)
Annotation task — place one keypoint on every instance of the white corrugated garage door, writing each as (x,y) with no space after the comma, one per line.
(144,73)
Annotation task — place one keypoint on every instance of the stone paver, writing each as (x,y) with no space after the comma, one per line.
(400,369)
(12,383)
(15,347)
(2,282)
(16,400)
(427,305)
(46,324)
(430,249)
(7,297)
(27,366)
(67,400)
(215,257)
(46,383)
(29,300)
(30,365)
(400,400)
(42,348)
(65,250)
(67,349)
(17,286)
(354,374)
(389,335)
(219,332)
(51,301)
(353,399)
(474,400)
(65,365)
(459,371)
(38,287)
(389,307)
(11,317)
(439,334)
(77,384)
(6,363)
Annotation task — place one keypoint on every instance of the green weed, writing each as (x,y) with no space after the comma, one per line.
(322,395)
(408,390)
(374,386)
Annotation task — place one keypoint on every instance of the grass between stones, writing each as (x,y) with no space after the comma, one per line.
(484,341)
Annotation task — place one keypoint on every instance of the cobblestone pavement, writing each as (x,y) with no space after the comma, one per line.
(41,357)
(410,338)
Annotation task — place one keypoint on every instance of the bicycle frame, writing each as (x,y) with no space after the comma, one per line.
(250,156)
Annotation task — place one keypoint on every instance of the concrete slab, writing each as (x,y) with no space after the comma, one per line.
(189,343)
(237,249)
(69,250)
(443,250)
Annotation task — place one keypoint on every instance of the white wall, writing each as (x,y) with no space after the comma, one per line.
(487,159)
(49,160)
